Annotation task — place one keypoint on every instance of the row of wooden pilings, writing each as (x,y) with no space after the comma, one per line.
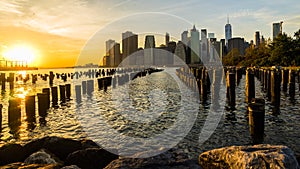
(43,98)
(50,95)
(198,79)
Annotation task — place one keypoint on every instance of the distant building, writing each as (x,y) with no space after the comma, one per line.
(129,43)
(149,50)
(228,32)
(237,43)
(184,37)
(110,52)
(223,51)
(211,35)
(180,52)
(194,45)
(204,46)
(277,29)
(257,39)
(167,39)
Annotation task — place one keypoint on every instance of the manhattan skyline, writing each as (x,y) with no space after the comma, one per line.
(61,29)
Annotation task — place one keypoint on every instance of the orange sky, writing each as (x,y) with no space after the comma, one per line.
(51,50)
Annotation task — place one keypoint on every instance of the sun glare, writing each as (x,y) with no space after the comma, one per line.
(20,53)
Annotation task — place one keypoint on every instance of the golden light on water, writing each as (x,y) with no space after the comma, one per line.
(20,53)
(21,92)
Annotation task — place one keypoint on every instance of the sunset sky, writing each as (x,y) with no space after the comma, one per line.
(58,30)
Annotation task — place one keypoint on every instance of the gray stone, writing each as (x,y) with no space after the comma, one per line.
(71,167)
(42,157)
(261,156)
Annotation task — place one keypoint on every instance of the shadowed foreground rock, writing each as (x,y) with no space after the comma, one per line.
(256,157)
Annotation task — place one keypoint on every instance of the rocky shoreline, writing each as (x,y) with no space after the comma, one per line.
(57,152)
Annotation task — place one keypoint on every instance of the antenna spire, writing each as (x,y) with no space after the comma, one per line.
(227,19)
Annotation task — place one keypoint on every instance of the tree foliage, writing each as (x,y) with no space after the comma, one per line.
(282,51)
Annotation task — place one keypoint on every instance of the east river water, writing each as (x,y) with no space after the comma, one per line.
(150,115)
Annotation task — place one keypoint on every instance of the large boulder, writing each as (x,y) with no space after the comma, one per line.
(42,157)
(10,153)
(167,160)
(261,156)
(90,158)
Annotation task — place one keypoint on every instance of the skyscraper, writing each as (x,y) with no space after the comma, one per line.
(195,46)
(228,32)
(110,52)
(184,37)
(204,46)
(237,43)
(277,29)
(167,39)
(180,53)
(129,43)
(149,50)
(257,39)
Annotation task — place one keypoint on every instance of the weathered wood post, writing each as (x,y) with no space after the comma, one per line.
(231,89)
(54,94)
(47,92)
(275,90)
(42,104)
(1,106)
(3,80)
(78,93)
(51,77)
(100,83)
(203,85)
(30,108)
(62,91)
(14,112)
(90,87)
(292,84)
(256,111)
(250,85)
(11,79)
(68,91)
(83,84)
(269,84)
(285,79)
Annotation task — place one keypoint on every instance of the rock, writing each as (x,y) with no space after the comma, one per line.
(261,156)
(90,158)
(149,163)
(71,167)
(61,147)
(11,153)
(167,160)
(20,165)
(89,144)
(42,157)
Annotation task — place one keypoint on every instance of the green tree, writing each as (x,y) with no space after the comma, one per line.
(233,58)
(281,50)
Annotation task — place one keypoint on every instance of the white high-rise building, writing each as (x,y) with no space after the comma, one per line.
(277,29)
(195,46)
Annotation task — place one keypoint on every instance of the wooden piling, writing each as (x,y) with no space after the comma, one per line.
(250,85)
(11,79)
(256,111)
(83,84)
(62,92)
(42,104)
(14,112)
(51,78)
(1,106)
(68,91)
(54,94)
(78,93)
(292,84)
(275,88)
(285,79)
(231,89)
(30,108)
(90,87)
(47,92)
(3,80)
(100,83)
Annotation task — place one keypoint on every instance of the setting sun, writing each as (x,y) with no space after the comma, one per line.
(20,53)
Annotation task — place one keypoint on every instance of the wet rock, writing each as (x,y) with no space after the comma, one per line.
(149,163)
(90,158)
(163,161)
(11,153)
(42,157)
(20,165)
(70,167)
(61,147)
(257,157)
(89,144)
